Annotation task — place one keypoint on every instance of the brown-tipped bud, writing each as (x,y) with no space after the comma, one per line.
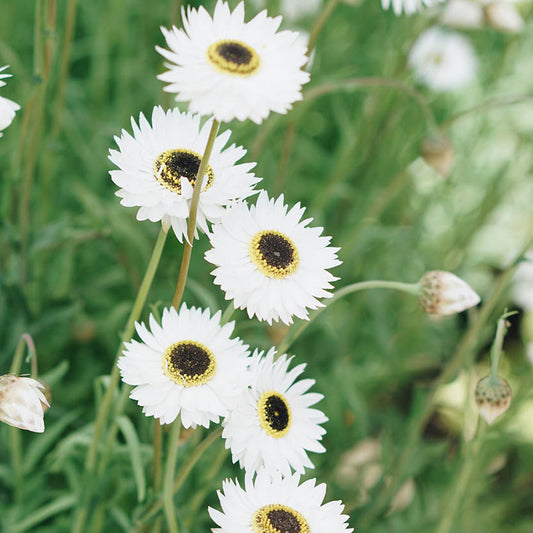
(443,293)
(493,397)
(504,16)
(22,403)
(438,153)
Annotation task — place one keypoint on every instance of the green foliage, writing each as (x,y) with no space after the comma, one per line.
(70,280)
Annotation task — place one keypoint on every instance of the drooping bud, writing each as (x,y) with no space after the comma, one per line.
(438,153)
(22,403)
(443,293)
(504,16)
(493,397)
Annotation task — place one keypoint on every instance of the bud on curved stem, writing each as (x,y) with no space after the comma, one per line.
(443,293)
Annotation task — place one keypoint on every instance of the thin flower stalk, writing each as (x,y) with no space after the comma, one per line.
(191,225)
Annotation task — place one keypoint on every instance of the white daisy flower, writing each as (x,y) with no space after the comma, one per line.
(408,7)
(443,61)
(188,365)
(21,403)
(233,69)
(158,167)
(273,424)
(269,262)
(8,108)
(278,504)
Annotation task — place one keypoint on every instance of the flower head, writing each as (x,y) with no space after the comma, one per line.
(443,61)
(158,167)
(188,365)
(8,108)
(273,424)
(408,7)
(275,504)
(269,262)
(229,68)
(443,293)
(493,397)
(21,403)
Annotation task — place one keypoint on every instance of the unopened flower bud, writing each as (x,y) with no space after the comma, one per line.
(504,16)
(438,153)
(443,293)
(22,402)
(493,397)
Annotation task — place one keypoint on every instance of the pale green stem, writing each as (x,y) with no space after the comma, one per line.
(319,24)
(170,469)
(183,473)
(411,288)
(103,412)
(158,441)
(375,81)
(191,225)
(227,314)
(496,350)
(460,488)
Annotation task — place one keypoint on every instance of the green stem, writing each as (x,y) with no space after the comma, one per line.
(170,468)
(319,24)
(16,363)
(294,333)
(227,314)
(191,225)
(496,350)
(183,473)
(158,433)
(375,81)
(103,412)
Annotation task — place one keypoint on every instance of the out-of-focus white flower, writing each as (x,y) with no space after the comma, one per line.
(505,17)
(21,403)
(8,108)
(522,288)
(444,61)
(408,6)
(471,14)
(443,293)
(293,10)
(493,397)
(463,14)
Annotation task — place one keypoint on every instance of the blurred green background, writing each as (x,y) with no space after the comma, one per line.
(71,261)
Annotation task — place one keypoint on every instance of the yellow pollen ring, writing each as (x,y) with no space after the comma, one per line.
(266,265)
(274,414)
(233,57)
(278,518)
(189,363)
(172,165)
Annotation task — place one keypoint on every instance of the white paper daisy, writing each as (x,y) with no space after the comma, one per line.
(188,365)
(8,108)
(229,68)
(275,505)
(158,167)
(273,424)
(269,262)
(409,7)
(444,61)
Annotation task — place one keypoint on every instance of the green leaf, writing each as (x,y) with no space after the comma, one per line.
(134,448)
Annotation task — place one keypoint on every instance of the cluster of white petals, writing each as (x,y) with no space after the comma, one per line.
(8,108)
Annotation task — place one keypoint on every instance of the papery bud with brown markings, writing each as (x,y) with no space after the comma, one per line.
(493,397)
(22,402)
(438,153)
(443,293)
